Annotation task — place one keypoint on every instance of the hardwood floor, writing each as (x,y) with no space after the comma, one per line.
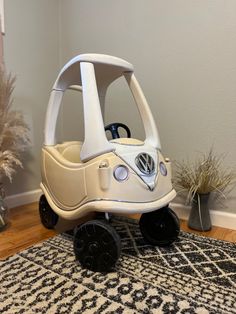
(25,230)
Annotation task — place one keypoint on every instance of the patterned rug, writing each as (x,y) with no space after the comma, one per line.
(194,275)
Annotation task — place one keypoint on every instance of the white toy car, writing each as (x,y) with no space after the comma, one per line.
(122,175)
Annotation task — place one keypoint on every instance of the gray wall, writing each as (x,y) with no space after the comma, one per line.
(32,54)
(184,56)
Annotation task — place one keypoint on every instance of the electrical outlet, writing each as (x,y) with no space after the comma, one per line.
(2,16)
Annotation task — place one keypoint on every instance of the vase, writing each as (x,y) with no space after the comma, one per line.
(199,218)
(3,210)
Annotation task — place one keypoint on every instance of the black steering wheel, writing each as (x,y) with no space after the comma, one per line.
(114,129)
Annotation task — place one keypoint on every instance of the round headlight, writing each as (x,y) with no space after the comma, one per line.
(121,173)
(163,169)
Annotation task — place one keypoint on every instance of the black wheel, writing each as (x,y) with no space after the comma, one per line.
(97,245)
(47,216)
(160,227)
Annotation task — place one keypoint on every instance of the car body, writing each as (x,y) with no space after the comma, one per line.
(122,175)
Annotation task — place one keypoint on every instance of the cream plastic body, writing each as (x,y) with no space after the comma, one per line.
(74,188)
(78,177)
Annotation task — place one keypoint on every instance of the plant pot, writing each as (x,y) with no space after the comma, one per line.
(3,210)
(199,218)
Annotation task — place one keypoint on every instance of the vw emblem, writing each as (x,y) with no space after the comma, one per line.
(145,163)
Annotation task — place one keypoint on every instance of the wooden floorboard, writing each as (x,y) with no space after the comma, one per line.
(25,230)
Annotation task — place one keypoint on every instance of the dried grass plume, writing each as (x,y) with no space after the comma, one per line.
(203,176)
(13,129)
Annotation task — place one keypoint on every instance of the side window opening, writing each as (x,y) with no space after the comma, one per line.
(120,107)
(70,126)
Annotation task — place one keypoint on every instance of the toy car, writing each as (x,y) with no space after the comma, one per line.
(121,175)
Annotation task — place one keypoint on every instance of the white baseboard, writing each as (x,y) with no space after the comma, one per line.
(218,218)
(23,198)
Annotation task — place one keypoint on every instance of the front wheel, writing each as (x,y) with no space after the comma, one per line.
(160,227)
(97,246)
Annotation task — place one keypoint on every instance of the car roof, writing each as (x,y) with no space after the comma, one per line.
(107,68)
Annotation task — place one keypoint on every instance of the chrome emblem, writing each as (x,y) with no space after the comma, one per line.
(145,163)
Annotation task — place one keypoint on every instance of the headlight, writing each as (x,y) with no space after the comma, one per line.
(121,173)
(163,169)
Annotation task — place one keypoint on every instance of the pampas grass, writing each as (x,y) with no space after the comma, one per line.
(203,176)
(13,129)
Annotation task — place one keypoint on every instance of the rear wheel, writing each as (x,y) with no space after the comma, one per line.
(47,216)
(160,227)
(97,245)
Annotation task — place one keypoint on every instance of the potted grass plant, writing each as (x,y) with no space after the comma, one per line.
(13,138)
(200,179)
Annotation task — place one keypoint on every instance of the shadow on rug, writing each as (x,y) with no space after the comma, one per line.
(194,275)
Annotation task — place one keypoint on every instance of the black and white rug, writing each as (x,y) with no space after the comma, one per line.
(194,275)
